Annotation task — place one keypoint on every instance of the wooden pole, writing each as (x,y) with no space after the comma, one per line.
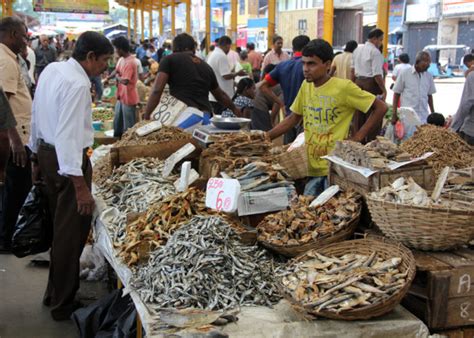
(233,23)
(142,18)
(150,27)
(328,21)
(189,28)
(208,25)
(135,22)
(382,21)
(173,18)
(128,22)
(271,21)
(161,18)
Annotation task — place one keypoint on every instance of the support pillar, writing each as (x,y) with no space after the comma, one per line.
(383,9)
(233,23)
(189,28)
(328,19)
(208,25)
(271,21)
(142,19)
(162,33)
(173,18)
(128,23)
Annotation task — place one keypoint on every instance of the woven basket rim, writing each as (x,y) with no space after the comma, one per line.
(380,243)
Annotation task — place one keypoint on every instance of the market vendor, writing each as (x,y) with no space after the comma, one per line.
(326,105)
(61,133)
(190,79)
(7,121)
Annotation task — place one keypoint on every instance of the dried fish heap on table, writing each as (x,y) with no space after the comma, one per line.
(234,151)
(406,191)
(204,266)
(153,229)
(165,134)
(376,154)
(338,284)
(260,176)
(102,170)
(449,149)
(133,187)
(302,223)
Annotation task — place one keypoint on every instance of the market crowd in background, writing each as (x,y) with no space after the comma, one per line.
(48,85)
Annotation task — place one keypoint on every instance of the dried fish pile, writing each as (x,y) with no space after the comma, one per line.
(102,170)
(165,134)
(204,266)
(449,149)
(375,155)
(406,191)
(235,150)
(153,229)
(260,176)
(339,284)
(302,223)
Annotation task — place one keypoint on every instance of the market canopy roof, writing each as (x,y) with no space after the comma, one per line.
(150,4)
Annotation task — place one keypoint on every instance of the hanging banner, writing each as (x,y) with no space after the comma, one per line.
(72,6)
(396,15)
(453,7)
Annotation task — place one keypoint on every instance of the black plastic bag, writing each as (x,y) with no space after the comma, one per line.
(33,230)
(111,316)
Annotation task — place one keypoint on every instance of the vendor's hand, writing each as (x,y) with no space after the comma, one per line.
(241,72)
(394,119)
(19,153)
(384,96)
(36,173)
(146,116)
(85,201)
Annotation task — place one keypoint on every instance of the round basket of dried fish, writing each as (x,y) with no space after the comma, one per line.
(443,225)
(351,280)
(302,228)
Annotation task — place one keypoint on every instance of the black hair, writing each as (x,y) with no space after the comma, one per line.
(225,40)
(91,42)
(268,68)
(250,46)
(183,42)
(243,84)
(121,43)
(243,55)
(436,119)
(212,47)
(404,58)
(375,33)
(320,48)
(216,41)
(11,23)
(468,58)
(351,46)
(299,43)
(238,49)
(276,38)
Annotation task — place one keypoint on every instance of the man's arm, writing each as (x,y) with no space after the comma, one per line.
(284,126)
(333,70)
(396,99)
(225,100)
(155,95)
(379,109)
(274,113)
(381,84)
(233,75)
(353,75)
(430,103)
(266,89)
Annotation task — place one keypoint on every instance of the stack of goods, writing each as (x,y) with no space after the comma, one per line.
(203,265)
(153,229)
(374,155)
(165,134)
(303,225)
(102,170)
(234,151)
(102,114)
(449,149)
(260,176)
(341,283)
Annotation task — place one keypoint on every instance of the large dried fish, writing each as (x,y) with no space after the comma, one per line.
(342,283)
(203,265)
(302,224)
(165,134)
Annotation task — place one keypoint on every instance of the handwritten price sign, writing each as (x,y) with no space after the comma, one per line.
(222,194)
(168,110)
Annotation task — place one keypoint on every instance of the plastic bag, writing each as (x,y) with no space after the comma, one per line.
(33,230)
(92,264)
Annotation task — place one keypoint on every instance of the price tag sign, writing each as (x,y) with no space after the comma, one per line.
(168,110)
(176,157)
(222,194)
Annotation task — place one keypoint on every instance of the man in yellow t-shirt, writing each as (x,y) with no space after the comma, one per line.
(326,106)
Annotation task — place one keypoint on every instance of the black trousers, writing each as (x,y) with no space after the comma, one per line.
(70,231)
(17,187)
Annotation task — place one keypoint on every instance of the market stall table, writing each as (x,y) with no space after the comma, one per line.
(282,320)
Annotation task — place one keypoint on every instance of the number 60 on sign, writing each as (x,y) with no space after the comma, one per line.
(222,194)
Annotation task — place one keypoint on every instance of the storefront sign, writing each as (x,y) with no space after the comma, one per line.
(76,6)
(396,15)
(453,7)
(222,194)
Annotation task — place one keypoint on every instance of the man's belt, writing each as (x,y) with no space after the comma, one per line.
(364,77)
(44,144)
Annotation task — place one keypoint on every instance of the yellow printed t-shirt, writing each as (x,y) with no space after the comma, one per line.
(327,114)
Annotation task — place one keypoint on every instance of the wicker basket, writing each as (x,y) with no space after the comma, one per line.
(423,228)
(295,162)
(295,250)
(385,249)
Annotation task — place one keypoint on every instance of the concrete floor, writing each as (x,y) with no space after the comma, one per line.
(22,314)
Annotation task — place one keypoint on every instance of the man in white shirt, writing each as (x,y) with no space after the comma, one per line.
(61,133)
(404,64)
(221,67)
(415,86)
(367,73)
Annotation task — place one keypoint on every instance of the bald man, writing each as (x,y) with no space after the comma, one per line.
(45,54)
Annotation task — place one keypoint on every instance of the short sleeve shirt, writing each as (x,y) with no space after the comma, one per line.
(343,62)
(7,120)
(221,66)
(127,70)
(241,102)
(12,82)
(367,60)
(190,79)
(327,114)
